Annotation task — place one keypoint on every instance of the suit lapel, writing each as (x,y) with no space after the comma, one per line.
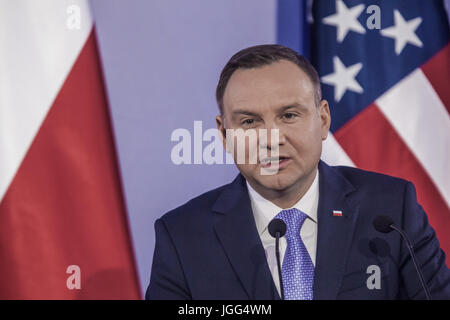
(237,233)
(334,232)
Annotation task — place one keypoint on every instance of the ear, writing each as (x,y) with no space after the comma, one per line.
(220,121)
(325,118)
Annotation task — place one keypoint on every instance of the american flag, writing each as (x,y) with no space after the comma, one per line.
(388,90)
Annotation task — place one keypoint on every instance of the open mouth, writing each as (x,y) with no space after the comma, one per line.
(272,162)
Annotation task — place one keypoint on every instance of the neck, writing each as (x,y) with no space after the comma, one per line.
(288,197)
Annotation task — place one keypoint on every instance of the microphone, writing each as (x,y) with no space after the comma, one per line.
(385,224)
(277,229)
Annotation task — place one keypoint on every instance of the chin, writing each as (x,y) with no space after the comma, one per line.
(277,182)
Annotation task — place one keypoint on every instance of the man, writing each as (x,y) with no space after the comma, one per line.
(217,246)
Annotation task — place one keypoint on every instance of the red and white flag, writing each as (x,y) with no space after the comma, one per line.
(63,225)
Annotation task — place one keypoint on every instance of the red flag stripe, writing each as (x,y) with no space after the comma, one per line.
(364,138)
(437,71)
(64,206)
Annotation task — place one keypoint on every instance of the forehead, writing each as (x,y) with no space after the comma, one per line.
(273,85)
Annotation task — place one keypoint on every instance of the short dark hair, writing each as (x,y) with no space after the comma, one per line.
(258,56)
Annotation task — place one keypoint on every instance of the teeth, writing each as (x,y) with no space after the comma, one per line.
(271,161)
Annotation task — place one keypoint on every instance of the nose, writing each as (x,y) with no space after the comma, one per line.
(272,137)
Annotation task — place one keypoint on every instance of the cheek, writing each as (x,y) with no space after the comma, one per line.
(308,142)
(249,169)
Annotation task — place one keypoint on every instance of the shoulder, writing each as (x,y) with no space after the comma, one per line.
(198,208)
(378,193)
(370,181)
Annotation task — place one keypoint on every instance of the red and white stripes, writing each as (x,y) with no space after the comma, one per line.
(60,195)
(406,133)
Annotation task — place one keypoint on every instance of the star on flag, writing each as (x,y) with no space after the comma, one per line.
(403,32)
(343,78)
(345,19)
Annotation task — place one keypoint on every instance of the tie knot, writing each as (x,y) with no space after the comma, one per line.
(294,219)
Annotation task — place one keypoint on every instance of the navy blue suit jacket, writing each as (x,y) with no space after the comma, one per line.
(209,248)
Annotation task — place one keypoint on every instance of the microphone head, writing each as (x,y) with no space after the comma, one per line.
(277,225)
(383,224)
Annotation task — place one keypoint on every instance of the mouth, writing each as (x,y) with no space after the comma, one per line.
(275,162)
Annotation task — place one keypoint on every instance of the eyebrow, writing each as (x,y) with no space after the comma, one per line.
(244,112)
(280,110)
(292,105)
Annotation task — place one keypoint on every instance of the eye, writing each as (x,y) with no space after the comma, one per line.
(248,121)
(289,115)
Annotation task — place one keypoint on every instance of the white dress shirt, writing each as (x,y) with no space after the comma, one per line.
(264,211)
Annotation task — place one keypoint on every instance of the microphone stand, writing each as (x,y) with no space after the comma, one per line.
(277,252)
(413,256)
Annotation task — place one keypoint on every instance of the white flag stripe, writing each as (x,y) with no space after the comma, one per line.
(420,118)
(334,154)
(37,51)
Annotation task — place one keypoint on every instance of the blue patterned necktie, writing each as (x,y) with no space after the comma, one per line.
(297,270)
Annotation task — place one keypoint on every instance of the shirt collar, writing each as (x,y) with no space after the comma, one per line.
(264,210)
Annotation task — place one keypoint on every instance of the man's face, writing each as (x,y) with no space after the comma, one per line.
(277,96)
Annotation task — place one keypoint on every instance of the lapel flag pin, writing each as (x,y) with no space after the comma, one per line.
(337,213)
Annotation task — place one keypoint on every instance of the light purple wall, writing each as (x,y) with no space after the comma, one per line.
(161,60)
